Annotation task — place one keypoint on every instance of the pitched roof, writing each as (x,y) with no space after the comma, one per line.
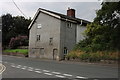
(56,15)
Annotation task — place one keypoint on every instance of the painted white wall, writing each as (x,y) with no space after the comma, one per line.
(80,30)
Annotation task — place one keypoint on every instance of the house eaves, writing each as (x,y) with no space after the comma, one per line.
(56,15)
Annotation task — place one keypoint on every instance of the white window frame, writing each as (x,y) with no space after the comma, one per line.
(39,26)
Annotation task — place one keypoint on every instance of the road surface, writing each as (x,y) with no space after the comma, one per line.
(19,67)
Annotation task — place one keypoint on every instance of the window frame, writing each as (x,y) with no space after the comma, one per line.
(38,37)
(39,26)
(51,41)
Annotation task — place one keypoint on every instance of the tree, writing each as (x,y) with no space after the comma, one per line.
(7,25)
(104,32)
(13,26)
(109,16)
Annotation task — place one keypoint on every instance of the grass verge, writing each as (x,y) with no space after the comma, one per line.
(23,51)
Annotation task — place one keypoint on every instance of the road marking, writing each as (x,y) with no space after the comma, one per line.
(3,68)
(13,66)
(30,69)
(81,77)
(38,71)
(23,68)
(48,73)
(60,76)
(67,74)
(17,66)
(56,72)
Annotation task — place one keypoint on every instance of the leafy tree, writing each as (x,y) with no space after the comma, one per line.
(13,26)
(104,32)
(7,25)
(109,16)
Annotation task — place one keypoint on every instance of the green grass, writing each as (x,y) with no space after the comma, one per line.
(23,51)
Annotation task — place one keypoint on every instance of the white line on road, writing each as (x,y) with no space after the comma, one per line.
(56,72)
(60,76)
(81,77)
(30,69)
(48,73)
(17,66)
(38,71)
(23,68)
(13,66)
(67,74)
(3,68)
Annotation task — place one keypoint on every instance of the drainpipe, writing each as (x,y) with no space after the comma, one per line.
(81,22)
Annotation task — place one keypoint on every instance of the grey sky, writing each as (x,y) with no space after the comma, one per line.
(84,10)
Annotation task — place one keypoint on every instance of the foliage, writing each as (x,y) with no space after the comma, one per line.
(109,16)
(13,26)
(18,41)
(84,56)
(23,51)
(102,36)
(74,54)
(93,56)
(104,33)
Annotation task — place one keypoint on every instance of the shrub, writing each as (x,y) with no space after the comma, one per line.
(18,41)
(74,54)
(84,56)
(94,57)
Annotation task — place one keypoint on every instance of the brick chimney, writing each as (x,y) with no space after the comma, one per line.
(71,12)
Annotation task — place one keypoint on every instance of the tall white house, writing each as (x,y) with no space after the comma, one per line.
(52,35)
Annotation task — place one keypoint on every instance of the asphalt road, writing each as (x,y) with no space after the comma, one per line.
(19,67)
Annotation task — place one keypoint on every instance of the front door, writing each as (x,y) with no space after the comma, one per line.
(55,51)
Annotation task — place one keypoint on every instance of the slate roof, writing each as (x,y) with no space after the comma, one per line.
(59,14)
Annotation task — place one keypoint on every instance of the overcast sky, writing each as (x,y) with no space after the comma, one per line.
(84,10)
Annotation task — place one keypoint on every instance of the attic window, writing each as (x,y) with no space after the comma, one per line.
(39,26)
(69,25)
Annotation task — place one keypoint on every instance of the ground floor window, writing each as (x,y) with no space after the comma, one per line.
(65,50)
(42,51)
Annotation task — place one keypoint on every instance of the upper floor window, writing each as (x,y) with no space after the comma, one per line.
(69,24)
(39,26)
(38,37)
(51,41)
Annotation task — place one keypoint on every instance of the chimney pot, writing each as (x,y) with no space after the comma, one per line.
(71,12)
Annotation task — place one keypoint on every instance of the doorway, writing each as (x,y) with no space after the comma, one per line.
(55,51)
